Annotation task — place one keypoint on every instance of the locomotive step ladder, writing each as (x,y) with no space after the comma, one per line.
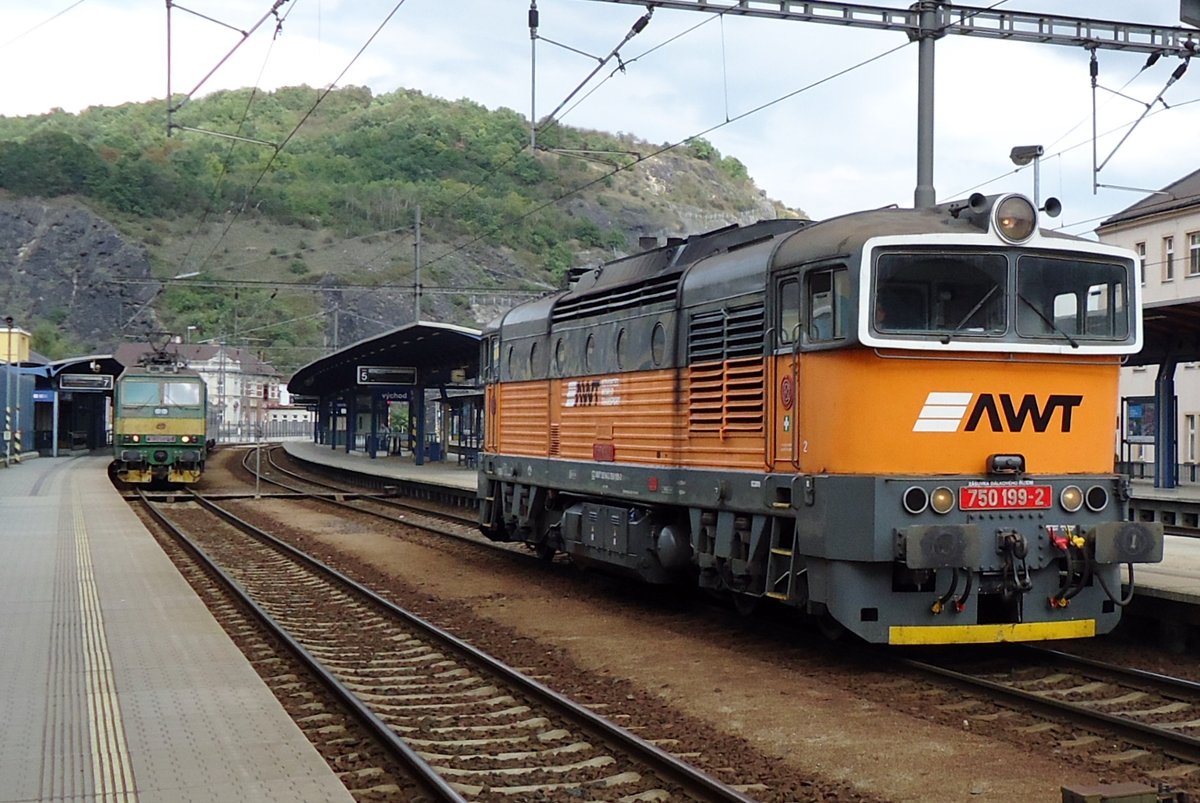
(780,558)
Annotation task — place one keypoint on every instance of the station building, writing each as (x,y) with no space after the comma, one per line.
(1163,229)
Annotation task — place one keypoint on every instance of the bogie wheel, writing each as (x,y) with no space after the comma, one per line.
(830,628)
(746,604)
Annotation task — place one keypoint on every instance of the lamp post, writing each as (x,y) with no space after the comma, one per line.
(8,394)
(1022,155)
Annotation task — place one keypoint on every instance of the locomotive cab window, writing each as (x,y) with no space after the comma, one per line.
(789,311)
(827,304)
(1070,298)
(153,393)
(941,294)
(181,394)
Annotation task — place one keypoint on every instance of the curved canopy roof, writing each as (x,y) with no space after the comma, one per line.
(441,353)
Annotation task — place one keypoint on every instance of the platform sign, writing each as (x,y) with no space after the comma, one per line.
(386,375)
(97,382)
(1141,422)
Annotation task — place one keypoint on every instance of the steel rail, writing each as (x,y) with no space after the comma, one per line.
(1140,675)
(1177,745)
(434,783)
(388,502)
(331,498)
(695,781)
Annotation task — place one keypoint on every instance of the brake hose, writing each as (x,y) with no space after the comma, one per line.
(1120,603)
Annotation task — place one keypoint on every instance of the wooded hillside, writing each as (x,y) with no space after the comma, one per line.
(293,220)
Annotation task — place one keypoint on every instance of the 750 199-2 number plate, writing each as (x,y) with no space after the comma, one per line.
(1005,497)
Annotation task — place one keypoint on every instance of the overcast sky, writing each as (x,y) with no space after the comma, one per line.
(847,143)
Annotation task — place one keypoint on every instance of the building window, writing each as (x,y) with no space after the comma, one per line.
(1190,423)
(1141,252)
(1168,259)
(1194,254)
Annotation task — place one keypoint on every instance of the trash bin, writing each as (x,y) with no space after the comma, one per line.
(433,451)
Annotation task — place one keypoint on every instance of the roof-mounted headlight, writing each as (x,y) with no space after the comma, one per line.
(1014,218)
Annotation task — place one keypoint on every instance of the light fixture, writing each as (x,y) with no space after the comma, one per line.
(1022,155)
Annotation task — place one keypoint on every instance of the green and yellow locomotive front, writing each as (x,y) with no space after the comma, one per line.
(159,425)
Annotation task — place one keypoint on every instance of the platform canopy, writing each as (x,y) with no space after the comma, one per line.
(1172,330)
(93,364)
(439,354)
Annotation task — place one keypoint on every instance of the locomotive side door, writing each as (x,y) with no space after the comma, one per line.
(783,374)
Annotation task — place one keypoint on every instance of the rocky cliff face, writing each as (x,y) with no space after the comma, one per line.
(60,262)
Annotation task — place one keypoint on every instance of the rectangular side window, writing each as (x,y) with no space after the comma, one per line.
(827,304)
(789,311)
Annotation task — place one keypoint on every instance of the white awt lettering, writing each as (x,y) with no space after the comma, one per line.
(593,393)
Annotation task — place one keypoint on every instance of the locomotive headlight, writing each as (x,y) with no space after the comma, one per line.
(1097,498)
(1071,498)
(941,500)
(185,438)
(916,500)
(1015,218)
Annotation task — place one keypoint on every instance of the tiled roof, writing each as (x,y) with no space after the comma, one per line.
(1183,194)
(128,354)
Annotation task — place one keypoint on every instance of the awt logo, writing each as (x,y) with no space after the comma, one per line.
(999,412)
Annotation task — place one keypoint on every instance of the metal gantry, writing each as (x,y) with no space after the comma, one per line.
(929,20)
(944,18)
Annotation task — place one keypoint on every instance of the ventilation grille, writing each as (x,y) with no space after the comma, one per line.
(656,290)
(726,397)
(555,440)
(725,334)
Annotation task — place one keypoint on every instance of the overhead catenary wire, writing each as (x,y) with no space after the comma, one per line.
(46,21)
(273,11)
(320,97)
(664,149)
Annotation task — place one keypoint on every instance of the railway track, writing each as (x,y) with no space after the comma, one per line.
(465,725)
(1155,714)
(381,503)
(1156,718)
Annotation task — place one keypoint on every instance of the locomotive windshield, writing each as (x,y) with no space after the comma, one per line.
(1071,298)
(941,293)
(170,394)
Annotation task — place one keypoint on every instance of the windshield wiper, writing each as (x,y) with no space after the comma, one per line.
(1047,321)
(971,314)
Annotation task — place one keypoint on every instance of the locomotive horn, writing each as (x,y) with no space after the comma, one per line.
(977,204)
(1052,208)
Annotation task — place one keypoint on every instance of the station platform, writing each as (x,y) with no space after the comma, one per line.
(116,682)
(448,475)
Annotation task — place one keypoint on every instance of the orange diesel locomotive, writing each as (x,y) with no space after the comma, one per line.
(900,421)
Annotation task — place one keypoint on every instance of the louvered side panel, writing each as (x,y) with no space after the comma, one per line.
(744,395)
(524,418)
(726,412)
(636,414)
(706,393)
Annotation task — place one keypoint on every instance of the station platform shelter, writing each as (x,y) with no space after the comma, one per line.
(411,391)
(48,407)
